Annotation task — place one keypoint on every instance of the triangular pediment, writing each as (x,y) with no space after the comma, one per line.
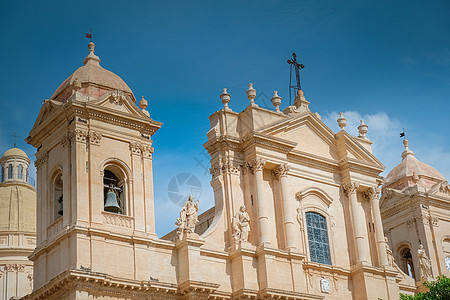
(312,136)
(48,109)
(308,132)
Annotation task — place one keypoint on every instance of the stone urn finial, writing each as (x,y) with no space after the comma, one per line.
(225,97)
(342,122)
(362,128)
(406,143)
(143,105)
(91,47)
(251,94)
(76,85)
(276,101)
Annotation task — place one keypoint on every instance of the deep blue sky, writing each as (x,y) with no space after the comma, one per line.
(385,61)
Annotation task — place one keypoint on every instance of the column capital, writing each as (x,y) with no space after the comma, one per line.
(280,170)
(41,160)
(350,188)
(256,164)
(371,193)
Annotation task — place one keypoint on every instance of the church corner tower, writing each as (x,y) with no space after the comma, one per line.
(95,179)
(17,225)
(415,207)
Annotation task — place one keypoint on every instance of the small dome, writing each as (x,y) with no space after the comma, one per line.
(14,152)
(95,80)
(411,171)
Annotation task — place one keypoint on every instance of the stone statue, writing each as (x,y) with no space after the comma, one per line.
(241,226)
(188,217)
(390,255)
(424,264)
(300,218)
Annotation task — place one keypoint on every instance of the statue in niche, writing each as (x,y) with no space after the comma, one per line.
(424,264)
(188,217)
(241,226)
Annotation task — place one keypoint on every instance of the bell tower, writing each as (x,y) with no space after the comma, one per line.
(94,174)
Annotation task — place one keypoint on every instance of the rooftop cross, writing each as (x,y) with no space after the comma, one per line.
(297,66)
(15,139)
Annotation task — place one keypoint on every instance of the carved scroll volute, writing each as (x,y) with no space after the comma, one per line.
(371,193)
(257,164)
(281,170)
(350,188)
(41,160)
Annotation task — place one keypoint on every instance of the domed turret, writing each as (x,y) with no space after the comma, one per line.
(14,164)
(411,171)
(91,80)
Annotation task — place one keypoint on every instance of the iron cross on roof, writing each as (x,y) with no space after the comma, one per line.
(297,66)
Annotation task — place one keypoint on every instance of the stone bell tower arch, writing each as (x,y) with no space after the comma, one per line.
(94,174)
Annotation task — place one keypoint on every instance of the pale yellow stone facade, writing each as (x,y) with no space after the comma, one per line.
(310,197)
(17,225)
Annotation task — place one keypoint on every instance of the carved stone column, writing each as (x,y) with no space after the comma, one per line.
(372,194)
(289,220)
(257,167)
(358,221)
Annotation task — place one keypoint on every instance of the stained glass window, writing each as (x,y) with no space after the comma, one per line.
(319,248)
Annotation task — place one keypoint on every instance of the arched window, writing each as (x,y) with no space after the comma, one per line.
(3,174)
(319,249)
(10,171)
(114,190)
(58,196)
(20,171)
(406,264)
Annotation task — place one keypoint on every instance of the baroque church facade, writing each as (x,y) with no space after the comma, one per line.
(297,214)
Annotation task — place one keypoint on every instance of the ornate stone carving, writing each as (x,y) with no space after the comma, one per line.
(445,188)
(118,97)
(41,160)
(65,140)
(325,285)
(256,164)
(10,267)
(225,166)
(281,170)
(117,220)
(188,217)
(244,169)
(411,222)
(370,193)
(431,220)
(350,188)
(95,137)
(424,265)
(138,148)
(241,226)
(20,267)
(78,135)
(300,218)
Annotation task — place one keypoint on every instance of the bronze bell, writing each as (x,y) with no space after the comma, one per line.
(61,211)
(111,203)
